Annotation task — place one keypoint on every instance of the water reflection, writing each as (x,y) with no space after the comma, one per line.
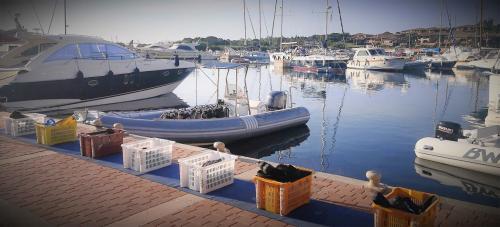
(471,182)
(280,143)
(365,120)
(369,81)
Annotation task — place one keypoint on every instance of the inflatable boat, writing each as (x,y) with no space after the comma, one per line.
(149,123)
(477,149)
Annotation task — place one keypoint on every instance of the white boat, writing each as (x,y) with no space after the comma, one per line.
(375,59)
(480,151)
(71,71)
(318,64)
(279,56)
(490,62)
(417,64)
(185,51)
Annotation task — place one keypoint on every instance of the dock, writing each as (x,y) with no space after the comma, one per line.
(55,186)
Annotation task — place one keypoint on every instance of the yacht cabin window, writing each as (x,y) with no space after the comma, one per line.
(184,47)
(373,52)
(362,53)
(66,53)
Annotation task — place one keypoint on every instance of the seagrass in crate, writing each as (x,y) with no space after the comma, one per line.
(207,171)
(148,154)
(24,125)
(101,143)
(61,132)
(282,198)
(393,217)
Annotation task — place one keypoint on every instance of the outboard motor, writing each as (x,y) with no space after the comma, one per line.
(276,100)
(447,130)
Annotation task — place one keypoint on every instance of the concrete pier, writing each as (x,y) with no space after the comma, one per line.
(43,186)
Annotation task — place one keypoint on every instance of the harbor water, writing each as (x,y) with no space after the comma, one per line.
(367,120)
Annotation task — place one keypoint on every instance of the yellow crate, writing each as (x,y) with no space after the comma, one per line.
(397,218)
(63,131)
(282,198)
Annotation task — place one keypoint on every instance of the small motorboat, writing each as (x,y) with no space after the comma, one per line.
(477,149)
(200,125)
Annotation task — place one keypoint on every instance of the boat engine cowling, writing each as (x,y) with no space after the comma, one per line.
(276,100)
(448,130)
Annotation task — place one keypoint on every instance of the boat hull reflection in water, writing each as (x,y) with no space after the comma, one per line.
(277,142)
(471,182)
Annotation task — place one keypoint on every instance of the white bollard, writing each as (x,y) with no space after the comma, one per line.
(221,147)
(374,182)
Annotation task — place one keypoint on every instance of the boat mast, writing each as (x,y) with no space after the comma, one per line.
(481,27)
(281,38)
(65,25)
(341,24)
(245,21)
(260,25)
(326,26)
(441,24)
(274,18)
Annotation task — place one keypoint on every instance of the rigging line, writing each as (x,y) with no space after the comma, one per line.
(435,103)
(37,18)
(341,24)
(324,126)
(52,17)
(274,18)
(448,97)
(265,23)
(207,76)
(251,23)
(337,121)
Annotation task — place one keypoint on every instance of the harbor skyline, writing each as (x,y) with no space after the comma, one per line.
(175,20)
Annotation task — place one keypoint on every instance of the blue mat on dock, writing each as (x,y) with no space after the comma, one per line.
(240,194)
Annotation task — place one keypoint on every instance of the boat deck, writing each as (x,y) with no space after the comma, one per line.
(46,186)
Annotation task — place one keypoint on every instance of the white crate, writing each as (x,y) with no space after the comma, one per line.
(23,126)
(147,155)
(209,178)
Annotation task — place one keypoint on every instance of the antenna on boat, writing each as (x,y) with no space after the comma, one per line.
(341,24)
(65,25)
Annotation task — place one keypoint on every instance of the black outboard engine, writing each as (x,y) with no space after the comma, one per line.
(276,100)
(448,130)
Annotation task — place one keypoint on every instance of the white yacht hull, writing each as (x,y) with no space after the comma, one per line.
(378,64)
(49,105)
(460,154)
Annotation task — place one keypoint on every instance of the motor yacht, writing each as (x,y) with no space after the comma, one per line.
(73,71)
(185,51)
(318,64)
(375,59)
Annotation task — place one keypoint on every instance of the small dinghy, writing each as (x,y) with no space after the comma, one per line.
(477,149)
(209,126)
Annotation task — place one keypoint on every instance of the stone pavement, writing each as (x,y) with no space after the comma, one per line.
(42,187)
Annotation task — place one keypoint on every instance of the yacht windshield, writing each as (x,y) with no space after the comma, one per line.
(373,52)
(381,52)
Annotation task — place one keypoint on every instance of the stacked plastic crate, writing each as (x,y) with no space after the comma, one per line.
(22,126)
(147,155)
(207,171)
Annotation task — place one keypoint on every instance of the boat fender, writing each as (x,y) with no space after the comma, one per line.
(176,60)
(79,75)
(199,58)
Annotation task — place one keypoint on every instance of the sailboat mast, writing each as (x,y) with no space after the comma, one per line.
(281,27)
(341,24)
(65,25)
(245,21)
(274,18)
(260,25)
(326,24)
(481,26)
(441,24)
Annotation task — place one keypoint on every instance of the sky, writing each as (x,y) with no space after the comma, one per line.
(149,21)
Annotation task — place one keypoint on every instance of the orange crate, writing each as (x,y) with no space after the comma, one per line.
(397,218)
(282,198)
